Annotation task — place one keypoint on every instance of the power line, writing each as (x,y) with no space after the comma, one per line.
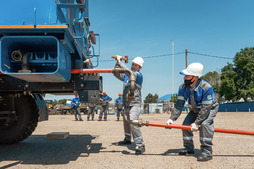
(164,55)
(213,56)
(145,57)
(148,57)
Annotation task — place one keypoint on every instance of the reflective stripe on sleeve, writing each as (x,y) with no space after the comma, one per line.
(207,102)
(138,86)
(180,97)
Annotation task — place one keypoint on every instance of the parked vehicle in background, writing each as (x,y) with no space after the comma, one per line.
(64,109)
(49,104)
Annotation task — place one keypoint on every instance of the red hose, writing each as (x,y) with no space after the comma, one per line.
(184,127)
(234,131)
(77,71)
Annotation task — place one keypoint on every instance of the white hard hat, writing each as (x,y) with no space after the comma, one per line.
(194,69)
(138,60)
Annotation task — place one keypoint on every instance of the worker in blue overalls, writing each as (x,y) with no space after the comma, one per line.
(203,107)
(104,101)
(75,106)
(91,108)
(135,105)
(119,106)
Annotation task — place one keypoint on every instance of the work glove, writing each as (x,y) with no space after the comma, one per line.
(168,123)
(119,58)
(194,127)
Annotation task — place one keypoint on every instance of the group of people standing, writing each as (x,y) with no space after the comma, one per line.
(92,107)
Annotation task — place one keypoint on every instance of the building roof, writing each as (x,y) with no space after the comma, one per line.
(166,97)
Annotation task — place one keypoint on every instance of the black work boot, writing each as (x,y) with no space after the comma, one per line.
(204,157)
(140,150)
(118,119)
(92,118)
(105,118)
(124,142)
(185,152)
(87,118)
(99,119)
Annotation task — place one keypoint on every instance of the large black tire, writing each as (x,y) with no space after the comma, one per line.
(25,123)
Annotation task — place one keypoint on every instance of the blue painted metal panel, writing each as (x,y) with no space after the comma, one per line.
(28,12)
(73,41)
(49,60)
(39,12)
(237,107)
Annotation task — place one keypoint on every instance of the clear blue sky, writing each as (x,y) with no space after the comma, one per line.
(145,27)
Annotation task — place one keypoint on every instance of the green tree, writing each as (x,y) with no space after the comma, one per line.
(227,87)
(62,101)
(151,98)
(237,79)
(173,98)
(54,102)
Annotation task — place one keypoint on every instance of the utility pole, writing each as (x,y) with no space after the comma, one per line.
(172,73)
(186,57)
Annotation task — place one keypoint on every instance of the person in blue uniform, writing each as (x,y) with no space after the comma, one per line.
(203,107)
(104,101)
(119,105)
(75,106)
(135,105)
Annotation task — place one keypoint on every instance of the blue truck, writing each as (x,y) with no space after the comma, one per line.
(41,43)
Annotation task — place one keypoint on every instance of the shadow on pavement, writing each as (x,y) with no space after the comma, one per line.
(37,149)
(10,165)
(174,152)
(236,155)
(129,146)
